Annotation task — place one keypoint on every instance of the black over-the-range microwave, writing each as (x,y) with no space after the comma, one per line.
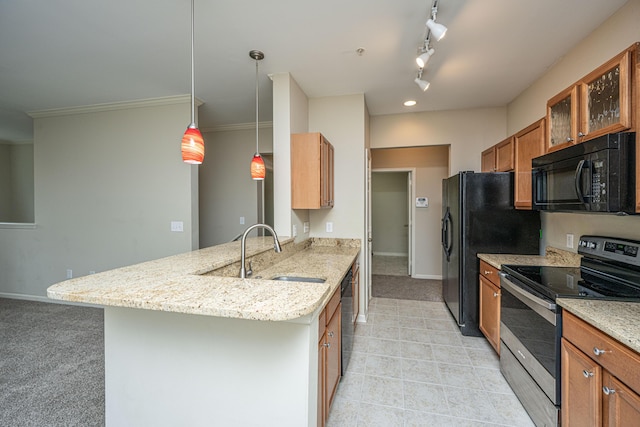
(598,175)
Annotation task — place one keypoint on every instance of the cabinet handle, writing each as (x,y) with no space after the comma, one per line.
(606,390)
(569,139)
(587,374)
(598,352)
(496,294)
(327,344)
(330,334)
(580,134)
(487,272)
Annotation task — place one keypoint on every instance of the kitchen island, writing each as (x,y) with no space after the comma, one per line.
(188,344)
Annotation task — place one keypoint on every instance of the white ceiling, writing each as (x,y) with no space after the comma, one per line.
(66,53)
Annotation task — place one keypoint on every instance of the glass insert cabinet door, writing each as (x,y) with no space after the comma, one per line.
(606,98)
(562,119)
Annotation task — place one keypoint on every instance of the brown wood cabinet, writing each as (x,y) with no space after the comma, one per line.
(599,103)
(312,164)
(329,355)
(489,159)
(528,144)
(499,158)
(600,377)
(490,304)
(505,155)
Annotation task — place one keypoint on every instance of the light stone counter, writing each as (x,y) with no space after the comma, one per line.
(186,283)
(618,319)
(552,257)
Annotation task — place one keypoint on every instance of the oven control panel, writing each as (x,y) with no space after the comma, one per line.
(610,248)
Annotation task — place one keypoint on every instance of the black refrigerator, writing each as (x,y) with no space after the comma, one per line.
(478,216)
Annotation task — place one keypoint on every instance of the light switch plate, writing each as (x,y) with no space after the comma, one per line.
(570,241)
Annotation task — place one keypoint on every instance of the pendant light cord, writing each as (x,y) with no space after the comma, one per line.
(193,84)
(257,150)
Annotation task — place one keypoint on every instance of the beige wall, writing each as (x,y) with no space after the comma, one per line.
(467,132)
(611,38)
(341,119)
(227,191)
(431,166)
(108,184)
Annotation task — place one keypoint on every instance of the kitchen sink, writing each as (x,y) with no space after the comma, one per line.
(298,279)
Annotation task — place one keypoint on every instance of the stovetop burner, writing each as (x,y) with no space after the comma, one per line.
(610,268)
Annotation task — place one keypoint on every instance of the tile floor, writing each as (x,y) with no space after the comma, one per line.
(389,265)
(410,366)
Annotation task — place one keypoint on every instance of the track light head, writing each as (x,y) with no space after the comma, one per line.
(438,30)
(423,84)
(423,58)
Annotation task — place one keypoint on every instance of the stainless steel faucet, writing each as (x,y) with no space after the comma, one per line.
(276,246)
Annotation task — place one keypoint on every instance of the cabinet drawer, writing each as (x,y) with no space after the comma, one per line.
(490,273)
(332,305)
(613,356)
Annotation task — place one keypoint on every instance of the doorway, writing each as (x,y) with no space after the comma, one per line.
(391,217)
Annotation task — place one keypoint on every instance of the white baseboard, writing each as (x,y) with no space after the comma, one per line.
(38,298)
(403,254)
(426,276)
(361,318)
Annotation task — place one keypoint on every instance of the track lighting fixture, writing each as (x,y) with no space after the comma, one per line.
(425,52)
(423,84)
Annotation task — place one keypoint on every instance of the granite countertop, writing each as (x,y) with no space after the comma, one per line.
(552,257)
(186,283)
(618,319)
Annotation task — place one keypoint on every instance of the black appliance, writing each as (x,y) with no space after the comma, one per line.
(595,176)
(478,217)
(531,322)
(347,327)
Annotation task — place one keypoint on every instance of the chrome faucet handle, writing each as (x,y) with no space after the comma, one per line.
(250,270)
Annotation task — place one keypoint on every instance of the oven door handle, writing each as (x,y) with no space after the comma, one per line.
(545,308)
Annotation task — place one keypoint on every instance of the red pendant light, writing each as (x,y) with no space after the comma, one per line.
(192,142)
(192,146)
(258,171)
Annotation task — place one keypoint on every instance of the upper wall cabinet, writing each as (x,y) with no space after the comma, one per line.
(311,171)
(529,143)
(599,103)
(500,157)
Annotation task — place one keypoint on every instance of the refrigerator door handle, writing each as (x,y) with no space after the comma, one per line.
(446,244)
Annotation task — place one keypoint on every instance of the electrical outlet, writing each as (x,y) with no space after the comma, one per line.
(570,241)
(306,226)
(241,220)
(177,226)
(69,273)
(329,227)
(295,230)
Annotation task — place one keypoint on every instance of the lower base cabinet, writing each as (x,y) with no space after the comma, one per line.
(600,378)
(329,355)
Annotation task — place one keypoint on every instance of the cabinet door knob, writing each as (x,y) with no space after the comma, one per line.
(587,374)
(606,390)
(496,294)
(327,344)
(569,139)
(487,272)
(598,352)
(330,334)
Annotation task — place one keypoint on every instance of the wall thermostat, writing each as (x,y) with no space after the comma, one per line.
(422,202)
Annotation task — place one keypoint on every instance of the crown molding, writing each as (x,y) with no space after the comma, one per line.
(238,126)
(112,106)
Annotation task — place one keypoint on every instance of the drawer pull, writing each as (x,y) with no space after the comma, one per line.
(598,352)
(496,294)
(587,374)
(606,390)
(487,272)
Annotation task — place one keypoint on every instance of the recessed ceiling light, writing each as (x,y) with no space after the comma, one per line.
(410,103)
